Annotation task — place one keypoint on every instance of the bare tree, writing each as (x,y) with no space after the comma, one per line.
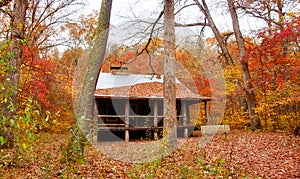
(251,101)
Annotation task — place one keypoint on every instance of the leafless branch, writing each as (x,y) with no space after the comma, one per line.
(183,7)
(191,24)
(145,49)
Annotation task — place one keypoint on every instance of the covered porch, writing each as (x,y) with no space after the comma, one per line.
(124,118)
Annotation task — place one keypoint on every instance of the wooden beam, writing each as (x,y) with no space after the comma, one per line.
(184,113)
(122,128)
(184,106)
(155,119)
(205,111)
(127,120)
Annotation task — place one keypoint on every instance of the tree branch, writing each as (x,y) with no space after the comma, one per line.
(191,24)
(177,12)
(148,43)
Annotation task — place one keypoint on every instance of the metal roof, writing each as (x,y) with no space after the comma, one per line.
(110,80)
(139,86)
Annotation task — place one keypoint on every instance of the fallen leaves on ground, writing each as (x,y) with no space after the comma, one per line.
(240,154)
(268,155)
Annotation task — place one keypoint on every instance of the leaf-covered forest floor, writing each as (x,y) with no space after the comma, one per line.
(240,154)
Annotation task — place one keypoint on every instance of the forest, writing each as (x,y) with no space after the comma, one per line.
(51,53)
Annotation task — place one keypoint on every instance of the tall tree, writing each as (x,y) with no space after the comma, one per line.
(85,84)
(169,76)
(18,19)
(274,13)
(85,106)
(12,76)
(250,96)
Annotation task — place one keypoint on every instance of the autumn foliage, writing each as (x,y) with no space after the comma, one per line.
(38,77)
(275,67)
(42,97)
(274,64)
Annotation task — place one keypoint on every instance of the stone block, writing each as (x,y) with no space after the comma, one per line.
(215,129)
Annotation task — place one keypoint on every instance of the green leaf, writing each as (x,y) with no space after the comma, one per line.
(4,119)
(23,146)
(2,141)
(24,41)
(29,100)
(12,122)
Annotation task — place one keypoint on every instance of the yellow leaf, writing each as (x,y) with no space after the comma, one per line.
(20,26)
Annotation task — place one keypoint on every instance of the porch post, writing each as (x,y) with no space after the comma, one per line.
(127,120)
(184,106)
(95,122)
(155,120)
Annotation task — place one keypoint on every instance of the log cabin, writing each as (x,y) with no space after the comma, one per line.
(130,106)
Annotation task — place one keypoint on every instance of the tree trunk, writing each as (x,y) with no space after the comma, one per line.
(170,130)
(95,60)
(250,96)
(96,57)
(17,35)
(84,107)
(13,75)
(204,9)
